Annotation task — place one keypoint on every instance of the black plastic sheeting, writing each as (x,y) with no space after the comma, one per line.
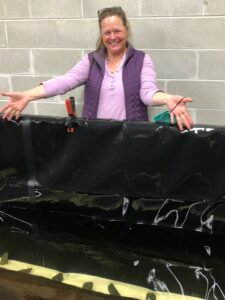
(140,203)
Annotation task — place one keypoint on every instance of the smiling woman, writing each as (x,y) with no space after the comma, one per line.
(120,81)
(114,27)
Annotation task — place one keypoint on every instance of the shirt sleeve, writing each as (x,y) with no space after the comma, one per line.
(70,80)
(148,81)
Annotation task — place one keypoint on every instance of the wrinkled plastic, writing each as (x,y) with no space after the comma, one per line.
(136,202)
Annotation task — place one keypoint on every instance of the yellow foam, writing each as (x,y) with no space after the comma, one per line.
(99,284)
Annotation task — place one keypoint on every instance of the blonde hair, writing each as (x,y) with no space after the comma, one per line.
(109,12)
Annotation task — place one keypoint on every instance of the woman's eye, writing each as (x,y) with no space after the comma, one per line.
(107,33)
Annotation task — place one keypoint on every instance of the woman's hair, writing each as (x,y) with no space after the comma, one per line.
(108,12)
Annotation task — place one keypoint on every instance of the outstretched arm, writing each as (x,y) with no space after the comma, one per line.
(151,95)
(19,100)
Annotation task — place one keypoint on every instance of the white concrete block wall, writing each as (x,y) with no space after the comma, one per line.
(185,38)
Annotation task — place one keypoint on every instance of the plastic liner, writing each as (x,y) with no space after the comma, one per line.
(136,202)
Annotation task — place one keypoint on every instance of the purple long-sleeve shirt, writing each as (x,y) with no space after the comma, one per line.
(112,99)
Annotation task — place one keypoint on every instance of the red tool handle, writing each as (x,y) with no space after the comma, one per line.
(71,110)
(69,107)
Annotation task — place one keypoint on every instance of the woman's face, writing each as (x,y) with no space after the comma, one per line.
(114,34)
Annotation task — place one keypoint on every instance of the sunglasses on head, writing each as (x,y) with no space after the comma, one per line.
(109,9)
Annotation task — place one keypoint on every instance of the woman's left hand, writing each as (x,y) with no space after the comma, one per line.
(177,107)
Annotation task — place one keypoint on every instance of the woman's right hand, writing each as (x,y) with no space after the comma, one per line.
(15,105)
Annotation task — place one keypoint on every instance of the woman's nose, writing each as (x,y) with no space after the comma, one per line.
(112,35)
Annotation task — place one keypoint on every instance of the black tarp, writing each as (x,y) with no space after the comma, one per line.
(111,194)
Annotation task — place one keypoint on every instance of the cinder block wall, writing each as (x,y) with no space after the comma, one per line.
(185,38)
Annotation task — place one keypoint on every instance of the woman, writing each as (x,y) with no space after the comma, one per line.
(120,81)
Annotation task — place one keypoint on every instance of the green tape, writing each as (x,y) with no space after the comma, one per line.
(150,296)
(58,277)
(112,290)
(25,271)
(88,285)
(4,259)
